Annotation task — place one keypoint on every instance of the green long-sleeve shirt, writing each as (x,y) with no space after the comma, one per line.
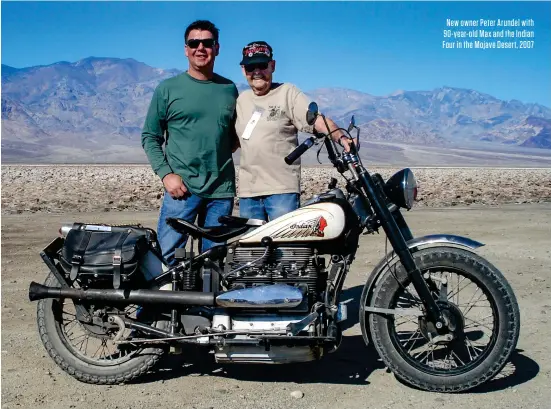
(198,118)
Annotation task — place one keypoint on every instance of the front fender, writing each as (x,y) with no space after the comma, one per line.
(414,245)
(444,239)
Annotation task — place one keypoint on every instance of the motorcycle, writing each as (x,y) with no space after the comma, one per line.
(441,317)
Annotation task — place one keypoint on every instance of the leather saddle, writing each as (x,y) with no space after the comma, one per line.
(232,227)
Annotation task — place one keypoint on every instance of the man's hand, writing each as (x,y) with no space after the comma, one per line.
(174,186)
(346,142)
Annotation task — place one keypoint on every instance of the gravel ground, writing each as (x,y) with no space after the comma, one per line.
(518,241)
(63,188)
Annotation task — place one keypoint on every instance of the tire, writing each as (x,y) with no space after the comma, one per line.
(503,305)
(54,341)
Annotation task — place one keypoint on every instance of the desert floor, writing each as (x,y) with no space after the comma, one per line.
(85,188)
(517,238)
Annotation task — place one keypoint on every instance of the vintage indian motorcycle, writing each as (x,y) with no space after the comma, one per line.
(441,317)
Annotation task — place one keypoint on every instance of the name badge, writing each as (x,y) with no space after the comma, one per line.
(255,117)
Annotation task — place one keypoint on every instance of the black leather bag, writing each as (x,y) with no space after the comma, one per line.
(103,252)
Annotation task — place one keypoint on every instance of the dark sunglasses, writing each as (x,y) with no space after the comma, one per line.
(252,67)
(207,42)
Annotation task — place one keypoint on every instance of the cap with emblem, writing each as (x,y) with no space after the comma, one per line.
(255,52)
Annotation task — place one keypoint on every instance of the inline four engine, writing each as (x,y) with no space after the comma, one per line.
(290,257)
(296,266)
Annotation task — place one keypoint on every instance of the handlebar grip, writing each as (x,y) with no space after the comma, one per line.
(299,150)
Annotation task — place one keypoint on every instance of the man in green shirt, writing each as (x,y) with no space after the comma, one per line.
(193,114)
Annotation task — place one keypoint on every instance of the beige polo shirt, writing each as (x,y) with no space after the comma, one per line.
(267,127)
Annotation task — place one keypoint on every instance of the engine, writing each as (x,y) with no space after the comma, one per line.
(296,266)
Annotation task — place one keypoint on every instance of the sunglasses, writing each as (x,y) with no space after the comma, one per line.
(207,42)
(251,67)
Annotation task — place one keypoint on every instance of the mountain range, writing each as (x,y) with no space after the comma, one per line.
(93,110)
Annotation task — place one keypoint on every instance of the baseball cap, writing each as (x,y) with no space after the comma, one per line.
(255,52)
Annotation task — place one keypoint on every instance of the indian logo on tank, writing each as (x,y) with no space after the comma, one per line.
(305,228)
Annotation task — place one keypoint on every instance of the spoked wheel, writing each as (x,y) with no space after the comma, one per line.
(87,351)
(91,342)
(482,322)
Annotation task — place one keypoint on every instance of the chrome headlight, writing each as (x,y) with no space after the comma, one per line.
(401,188)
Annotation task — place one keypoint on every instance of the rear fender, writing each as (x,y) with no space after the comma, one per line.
(414,245)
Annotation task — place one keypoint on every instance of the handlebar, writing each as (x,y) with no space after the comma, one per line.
(330,144)
(299,150)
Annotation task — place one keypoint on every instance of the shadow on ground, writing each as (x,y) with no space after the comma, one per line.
(520,369)
(351,364)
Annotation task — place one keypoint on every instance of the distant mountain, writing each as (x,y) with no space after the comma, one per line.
(543,137)
(442,115)
(93,110)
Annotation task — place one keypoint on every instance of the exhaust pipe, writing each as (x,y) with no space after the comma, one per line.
(39,291)
(269,296)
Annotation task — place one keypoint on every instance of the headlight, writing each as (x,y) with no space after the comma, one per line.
(401,188)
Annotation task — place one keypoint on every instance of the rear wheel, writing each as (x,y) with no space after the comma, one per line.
(480,306)
(87,351)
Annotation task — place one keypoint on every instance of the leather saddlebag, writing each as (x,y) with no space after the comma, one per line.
(102,252)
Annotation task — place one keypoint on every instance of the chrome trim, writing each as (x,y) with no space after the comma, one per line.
(65,229)
(444,238)
(255,222)
(271,322)
(352,170)
(277,354)
(266,296)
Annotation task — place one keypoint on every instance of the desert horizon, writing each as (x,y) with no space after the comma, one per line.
(60,188)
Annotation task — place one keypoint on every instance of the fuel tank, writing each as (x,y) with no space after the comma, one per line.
(315,222)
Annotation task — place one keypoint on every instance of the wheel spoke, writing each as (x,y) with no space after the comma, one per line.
(481,295)
(81,343)
(97,350)
(413,338)
(454,354)
(458,290)
(477,323)
(468,343)
(405,320)
(74,339)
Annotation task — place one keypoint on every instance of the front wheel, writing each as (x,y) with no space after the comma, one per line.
(481,309)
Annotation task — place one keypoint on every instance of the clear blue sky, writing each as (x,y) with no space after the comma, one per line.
(374,47)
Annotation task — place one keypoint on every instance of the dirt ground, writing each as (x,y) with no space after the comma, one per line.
(518,241)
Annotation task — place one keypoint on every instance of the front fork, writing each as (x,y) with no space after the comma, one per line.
(397,240)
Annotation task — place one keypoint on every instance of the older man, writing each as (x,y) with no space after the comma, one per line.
(269,117)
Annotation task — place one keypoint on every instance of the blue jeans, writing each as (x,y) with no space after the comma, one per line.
(268,207)
(206,210)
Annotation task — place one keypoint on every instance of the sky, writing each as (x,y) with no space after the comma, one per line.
(373,47)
